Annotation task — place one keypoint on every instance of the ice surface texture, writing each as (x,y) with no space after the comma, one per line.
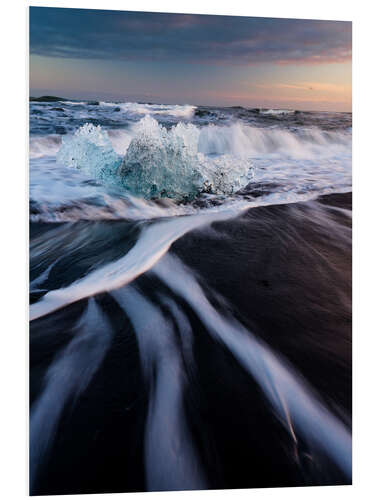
(91,151)
(158,162)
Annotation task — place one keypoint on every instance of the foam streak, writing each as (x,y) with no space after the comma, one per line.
(170,456)
(290,397)
(152,244)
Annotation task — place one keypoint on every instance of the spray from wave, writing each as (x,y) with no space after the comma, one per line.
(135,108)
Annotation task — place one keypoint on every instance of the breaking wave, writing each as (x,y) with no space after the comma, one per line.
(276,111)
(150,161)
(179,111)
(47,145)
(154,242)
(182,163)
(242,140)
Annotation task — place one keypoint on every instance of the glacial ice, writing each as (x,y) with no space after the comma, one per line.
(161,163)
(158,162)
(90,151)
(167,163)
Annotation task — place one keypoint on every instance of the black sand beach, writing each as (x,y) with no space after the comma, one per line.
(282,271)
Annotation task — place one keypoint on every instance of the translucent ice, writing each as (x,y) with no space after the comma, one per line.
(167,163)
(91,151)
(158,162)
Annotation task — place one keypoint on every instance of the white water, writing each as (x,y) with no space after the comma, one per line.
(45,145)
(75,197)
(74,103)
(171,460)
(276,112)
(179,111)
(152,244)
(42,278)
(66,379)
(237,139)
(302,162)
(178,162)
(290,397)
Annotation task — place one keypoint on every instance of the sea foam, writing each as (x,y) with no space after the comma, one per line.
(151,161)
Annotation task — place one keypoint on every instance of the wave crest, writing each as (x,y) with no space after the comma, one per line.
(151,161)
(179,111)
(277,111)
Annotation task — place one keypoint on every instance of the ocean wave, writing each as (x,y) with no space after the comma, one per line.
(151,161)
(76,103)
(236,138)
(246,140)
(76,194)
(105,207)
(276,111)
(45,145)
(180,111)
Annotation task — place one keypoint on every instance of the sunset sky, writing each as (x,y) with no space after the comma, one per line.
(195,59)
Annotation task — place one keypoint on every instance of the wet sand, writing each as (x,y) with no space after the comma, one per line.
(285,273)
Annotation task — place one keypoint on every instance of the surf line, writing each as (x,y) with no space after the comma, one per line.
(152,244)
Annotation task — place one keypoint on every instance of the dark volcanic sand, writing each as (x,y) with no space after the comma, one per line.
(286,272)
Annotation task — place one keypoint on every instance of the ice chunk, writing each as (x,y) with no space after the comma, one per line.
(161,163)
(91,151)
(167,163)
(158,162)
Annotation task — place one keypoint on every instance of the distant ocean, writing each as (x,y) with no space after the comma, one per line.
(190,291)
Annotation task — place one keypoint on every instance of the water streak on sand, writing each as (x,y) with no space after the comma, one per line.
(152,244)
(289,396)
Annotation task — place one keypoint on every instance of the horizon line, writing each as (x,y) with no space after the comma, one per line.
(142,101)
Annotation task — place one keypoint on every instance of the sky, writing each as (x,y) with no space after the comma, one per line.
(191,59)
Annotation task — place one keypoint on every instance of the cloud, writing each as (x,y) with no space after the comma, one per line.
(137,36)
